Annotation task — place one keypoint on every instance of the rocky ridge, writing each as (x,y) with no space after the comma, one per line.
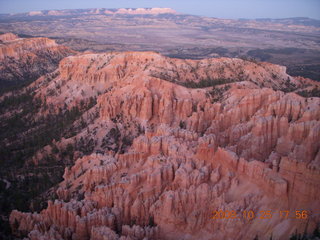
(166,154)
(25,59)
(94,74)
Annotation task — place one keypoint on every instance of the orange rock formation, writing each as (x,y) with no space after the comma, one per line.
(28,58)
(253,148)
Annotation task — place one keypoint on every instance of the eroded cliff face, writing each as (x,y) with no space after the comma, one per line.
(167,156)
(25,59)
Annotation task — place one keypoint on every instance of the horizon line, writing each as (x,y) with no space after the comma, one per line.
(178,13)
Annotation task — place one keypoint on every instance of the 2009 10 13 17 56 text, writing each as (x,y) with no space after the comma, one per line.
(250,215)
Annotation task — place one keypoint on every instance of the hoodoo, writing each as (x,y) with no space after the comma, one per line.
(181,149)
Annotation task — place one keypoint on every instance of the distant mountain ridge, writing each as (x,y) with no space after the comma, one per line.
(89,11)
(305,21)
(293,21)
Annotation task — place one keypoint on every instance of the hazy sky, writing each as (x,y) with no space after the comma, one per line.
(212,8)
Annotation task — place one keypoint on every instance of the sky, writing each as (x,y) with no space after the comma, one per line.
(212,8)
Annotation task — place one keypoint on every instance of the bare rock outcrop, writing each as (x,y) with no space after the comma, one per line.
(8,37)
(182,153)
(25,59)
